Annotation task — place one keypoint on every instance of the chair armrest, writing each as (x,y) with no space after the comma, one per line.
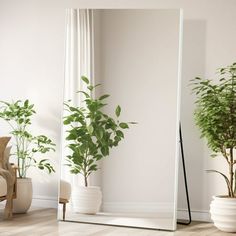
(14,166)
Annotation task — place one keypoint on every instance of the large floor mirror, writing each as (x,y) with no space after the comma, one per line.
(134,54)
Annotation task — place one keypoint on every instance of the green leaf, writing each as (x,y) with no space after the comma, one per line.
(43,161)
(85,79)
(86,94)
(21,120)
(67,121)
(90,87)
(90,129)
(97,85)
(104,151)
(120,133)
(99,157)
(93,168)
(118,110)
(26,103)
(133,123)
(104,96)
(213,155)
(124,125)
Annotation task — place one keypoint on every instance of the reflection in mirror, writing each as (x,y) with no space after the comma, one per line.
(113,170)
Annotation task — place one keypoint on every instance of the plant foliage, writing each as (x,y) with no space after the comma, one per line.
(18,115)
(91,132)
(215,115)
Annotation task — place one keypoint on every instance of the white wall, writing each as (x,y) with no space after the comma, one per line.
(209,42)
(31,66)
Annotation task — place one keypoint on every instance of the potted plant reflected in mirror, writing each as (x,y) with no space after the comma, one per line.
(26,147)
(215,115)
(91,135)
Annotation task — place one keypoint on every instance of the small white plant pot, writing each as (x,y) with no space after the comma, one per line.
(223,213)
(24,193)
(86,200)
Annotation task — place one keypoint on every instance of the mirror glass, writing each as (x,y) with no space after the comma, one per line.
(135,55)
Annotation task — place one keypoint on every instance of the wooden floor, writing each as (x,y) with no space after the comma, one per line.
(43,222)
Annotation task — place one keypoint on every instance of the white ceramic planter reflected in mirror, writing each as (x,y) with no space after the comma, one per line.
(135,56)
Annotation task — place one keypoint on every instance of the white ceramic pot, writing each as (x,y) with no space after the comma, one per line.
(24,193)
(86,200)
(223,213)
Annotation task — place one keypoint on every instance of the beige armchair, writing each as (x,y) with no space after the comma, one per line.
(65,193)
(7,177)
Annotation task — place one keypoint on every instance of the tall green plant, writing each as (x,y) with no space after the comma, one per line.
(91,132)
(18,115)
(215,115)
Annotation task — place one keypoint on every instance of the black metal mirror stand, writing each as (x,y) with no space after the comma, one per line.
(184,222)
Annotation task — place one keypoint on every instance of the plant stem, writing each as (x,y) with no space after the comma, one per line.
(235,183)
(85,180)
(17,153)
(85,169)
(231,172)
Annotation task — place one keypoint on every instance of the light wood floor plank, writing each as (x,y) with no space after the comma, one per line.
(43,222)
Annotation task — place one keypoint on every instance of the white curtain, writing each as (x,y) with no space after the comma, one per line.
(78,62)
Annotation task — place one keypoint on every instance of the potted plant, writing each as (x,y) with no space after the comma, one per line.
(215,115)
(91,135)
(18,115)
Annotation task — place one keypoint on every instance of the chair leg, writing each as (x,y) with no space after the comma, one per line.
(11,207)
(64,211)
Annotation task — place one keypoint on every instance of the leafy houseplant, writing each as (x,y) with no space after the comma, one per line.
(215,115)
(18,115)
(91,133)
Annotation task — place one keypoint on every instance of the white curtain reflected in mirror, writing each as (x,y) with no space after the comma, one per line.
(121,173)
(78,62)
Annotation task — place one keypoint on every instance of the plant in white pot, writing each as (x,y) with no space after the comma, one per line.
(215,115)
(91,135)
(18,115)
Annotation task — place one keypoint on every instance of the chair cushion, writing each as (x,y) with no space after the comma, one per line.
(65,189)
(7,153)
(3,183)
(3,187)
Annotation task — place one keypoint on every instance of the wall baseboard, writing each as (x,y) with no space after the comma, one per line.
(44,201)
(197,215)
(149,207)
